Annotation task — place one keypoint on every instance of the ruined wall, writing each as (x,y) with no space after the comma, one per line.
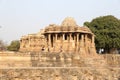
(32,42)
(112,60)
(54,66)
(45,59)
(8,59)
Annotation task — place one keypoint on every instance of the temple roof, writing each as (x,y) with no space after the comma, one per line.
(68,25)
(69,21)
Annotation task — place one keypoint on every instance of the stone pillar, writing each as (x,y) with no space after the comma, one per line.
(74,37)
(29,43)
(49,43)
(77,46)
(75,41)
(82,47)
(86,44)
(71,36)
(70,43)
(62,44)
(93,50)
(85,38)
(56,37)
(82,40)
(77,37)
(34,43)
(63,36)
(61,41)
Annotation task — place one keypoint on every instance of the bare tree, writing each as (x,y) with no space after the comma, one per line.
(2,46)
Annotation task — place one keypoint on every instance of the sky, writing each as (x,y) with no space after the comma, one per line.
(22,17)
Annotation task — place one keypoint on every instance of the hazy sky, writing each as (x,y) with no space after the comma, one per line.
(21,17)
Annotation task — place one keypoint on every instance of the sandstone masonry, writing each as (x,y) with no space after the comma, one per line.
(67,37)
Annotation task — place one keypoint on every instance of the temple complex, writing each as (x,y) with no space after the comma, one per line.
(59,52)
(67,37)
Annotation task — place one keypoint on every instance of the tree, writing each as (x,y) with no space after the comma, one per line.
(2,45)
(107,32)
(14,46)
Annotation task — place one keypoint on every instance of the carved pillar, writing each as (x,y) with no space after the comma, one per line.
(49,39)
(86,44)
(68,43)
(77,37)
(70,36)
(63,35)
(61,41)
(82,47)
(56,37)
(77,46)
(93,52)
(49,35)
(74,37)
(55,44)
(29,44)
(34,43)
(75,41)
(63,38)
(85,39)
(82,40)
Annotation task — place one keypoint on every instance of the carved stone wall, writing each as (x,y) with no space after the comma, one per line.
(67,37)
(113,60)
(45,59)
(32,42)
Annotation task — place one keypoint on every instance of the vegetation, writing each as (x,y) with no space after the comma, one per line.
(107,32)
(2,45)
(14,46)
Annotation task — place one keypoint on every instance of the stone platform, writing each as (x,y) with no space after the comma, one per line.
(58,66)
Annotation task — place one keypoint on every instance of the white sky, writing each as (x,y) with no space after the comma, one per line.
(21,17)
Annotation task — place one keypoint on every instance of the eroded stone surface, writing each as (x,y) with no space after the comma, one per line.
(60,74)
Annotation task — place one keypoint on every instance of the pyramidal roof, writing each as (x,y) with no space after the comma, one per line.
(69,21)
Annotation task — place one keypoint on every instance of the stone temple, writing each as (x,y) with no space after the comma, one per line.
(67,37)
(59,52)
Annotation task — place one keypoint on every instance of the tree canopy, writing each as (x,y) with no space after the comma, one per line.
(107,32)
(14,46)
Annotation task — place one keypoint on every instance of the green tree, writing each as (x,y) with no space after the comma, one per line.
(107,32)
(14,46)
